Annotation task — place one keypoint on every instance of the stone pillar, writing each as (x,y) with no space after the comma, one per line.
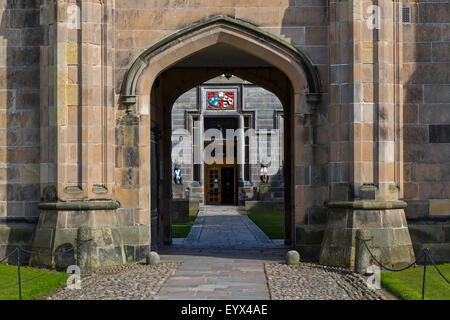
(241,149)
(155,215)
(166,158)
(57,234)
(77,119)
(202,143)
(132,189)
(311,177)
(96,101)
(77,141)
(362,256)
(83,251)
(365,142)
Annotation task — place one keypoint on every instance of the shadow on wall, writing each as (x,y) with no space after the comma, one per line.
(20,40)
(426,116)
(305,24)
(426,130)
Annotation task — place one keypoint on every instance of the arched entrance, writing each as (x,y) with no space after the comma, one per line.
(344,170)
(154,81)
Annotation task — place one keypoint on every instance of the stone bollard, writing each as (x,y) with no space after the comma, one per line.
(362,256)
(292,258)
(153,258)
(84,249)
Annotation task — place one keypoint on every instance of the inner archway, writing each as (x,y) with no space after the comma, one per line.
(227,159)
(173,66)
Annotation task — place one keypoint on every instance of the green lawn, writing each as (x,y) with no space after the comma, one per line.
(35,282)
(182,230)
(407,284)
(270,221)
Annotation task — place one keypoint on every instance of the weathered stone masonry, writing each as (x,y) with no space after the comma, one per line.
(367,135)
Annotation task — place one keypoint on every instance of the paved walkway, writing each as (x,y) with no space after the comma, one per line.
(224,227)
(222,258)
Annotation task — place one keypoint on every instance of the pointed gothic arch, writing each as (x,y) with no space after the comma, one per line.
(220,29)
(302,87)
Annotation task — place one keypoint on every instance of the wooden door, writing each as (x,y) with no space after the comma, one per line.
(213,185)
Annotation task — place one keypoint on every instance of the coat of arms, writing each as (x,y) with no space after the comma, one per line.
(220,100)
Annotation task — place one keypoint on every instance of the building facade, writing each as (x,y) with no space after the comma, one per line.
(86,95)
(228,104)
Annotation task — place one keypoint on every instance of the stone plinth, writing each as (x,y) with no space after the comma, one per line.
(194,206)
(180,211)
(382,221)
(264,192)
(271,205)
(110,242)
(178,191)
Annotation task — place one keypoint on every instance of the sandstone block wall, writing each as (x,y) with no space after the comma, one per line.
(426,76)
(139,24)
(20,38)
(33,130)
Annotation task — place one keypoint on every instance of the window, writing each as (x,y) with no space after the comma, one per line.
(406,15)
(439,133)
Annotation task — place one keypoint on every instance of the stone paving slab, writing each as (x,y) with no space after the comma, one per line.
(222,258)
(211,277)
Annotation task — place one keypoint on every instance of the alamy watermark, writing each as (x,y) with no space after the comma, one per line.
(374,281)
(238,146)
(73,17)
(73,12)
(374,19)
(74,280)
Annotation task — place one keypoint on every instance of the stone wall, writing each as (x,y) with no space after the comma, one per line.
(426,70)
(187,101)
(61,125)
(140,24)
(20,38)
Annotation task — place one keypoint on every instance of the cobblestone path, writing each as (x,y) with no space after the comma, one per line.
(129,282)
(309,281)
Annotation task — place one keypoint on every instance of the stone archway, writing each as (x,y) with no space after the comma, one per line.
(335,188)
(148,106)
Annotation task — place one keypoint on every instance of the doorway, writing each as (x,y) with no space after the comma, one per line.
(151,88)
(228,183)
(213,177)
(220,184)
